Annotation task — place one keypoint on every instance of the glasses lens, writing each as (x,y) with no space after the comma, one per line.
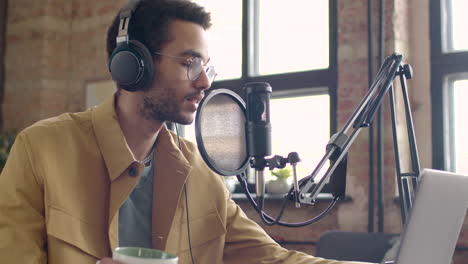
(195,68)
(211,73)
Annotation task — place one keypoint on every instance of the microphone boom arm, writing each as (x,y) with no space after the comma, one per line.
(362,117)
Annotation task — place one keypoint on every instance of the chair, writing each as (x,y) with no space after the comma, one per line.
(355,246)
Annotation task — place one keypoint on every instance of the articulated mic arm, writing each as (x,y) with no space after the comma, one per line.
(363,116)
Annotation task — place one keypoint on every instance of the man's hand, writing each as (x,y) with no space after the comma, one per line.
(108,261)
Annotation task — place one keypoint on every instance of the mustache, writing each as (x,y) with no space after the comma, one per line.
(196,94)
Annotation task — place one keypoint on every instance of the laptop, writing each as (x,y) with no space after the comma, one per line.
(436,218)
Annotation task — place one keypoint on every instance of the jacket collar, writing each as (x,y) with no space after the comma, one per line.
(110,138)
(114,148)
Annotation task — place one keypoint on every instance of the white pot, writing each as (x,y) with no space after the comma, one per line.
(278,186)
(230,184)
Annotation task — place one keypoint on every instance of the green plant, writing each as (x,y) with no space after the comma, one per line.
(282,174)
(6,142)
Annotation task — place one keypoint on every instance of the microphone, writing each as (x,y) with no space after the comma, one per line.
(231,138)
(258,131)
(258,127)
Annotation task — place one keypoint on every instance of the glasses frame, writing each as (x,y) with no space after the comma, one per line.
(209,70)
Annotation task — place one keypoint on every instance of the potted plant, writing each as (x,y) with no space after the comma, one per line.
(280,184)
(230,182)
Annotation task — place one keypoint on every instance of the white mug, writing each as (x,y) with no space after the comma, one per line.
(139,255)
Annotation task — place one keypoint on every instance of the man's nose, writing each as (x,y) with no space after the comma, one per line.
(202,82)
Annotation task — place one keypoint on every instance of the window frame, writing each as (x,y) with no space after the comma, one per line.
(444,66)
(284,82)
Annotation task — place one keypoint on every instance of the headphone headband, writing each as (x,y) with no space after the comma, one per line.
(131,63)
(125,15)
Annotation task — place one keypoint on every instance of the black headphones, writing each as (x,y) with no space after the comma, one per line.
(131,63)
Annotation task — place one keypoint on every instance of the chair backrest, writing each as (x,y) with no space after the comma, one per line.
(354,246)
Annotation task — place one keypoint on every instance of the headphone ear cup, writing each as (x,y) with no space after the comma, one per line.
(131,66)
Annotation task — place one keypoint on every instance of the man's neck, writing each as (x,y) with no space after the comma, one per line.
(140,133)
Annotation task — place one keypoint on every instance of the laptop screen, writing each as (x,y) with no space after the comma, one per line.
(433,227)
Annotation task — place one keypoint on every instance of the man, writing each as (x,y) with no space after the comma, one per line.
(79,185)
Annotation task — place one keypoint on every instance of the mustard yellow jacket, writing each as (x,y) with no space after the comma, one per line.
(67,176)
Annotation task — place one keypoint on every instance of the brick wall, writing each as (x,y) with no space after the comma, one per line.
(55,47)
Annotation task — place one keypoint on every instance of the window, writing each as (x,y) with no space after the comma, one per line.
(292,47)
(458,135)
(449,84)
(454,25)
(225,37)
(300,124)
(290,40)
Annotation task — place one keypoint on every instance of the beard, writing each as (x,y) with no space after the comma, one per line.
(163,106)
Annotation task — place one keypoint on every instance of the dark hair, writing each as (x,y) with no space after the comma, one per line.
(149,23)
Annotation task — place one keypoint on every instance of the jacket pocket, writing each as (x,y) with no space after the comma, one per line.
(88,237)
(202,231)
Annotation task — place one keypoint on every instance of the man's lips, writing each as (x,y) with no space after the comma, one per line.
(195,98)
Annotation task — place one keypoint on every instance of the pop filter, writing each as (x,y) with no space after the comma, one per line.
(220,132)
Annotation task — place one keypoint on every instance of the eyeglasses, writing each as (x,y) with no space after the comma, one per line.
(194,67)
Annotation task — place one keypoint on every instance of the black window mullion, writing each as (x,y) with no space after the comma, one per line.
(438,145)
(439,148)
(451,62)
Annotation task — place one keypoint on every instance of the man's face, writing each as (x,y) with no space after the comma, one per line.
(173,97)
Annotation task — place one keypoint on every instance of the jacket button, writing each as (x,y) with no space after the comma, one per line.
(132,171)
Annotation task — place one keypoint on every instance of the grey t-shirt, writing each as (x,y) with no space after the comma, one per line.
(135,214)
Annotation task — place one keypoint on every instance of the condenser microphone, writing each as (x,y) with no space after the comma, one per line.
(258,127)
(258,131)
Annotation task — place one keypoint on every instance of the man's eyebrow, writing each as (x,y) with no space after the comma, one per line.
(192,53)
